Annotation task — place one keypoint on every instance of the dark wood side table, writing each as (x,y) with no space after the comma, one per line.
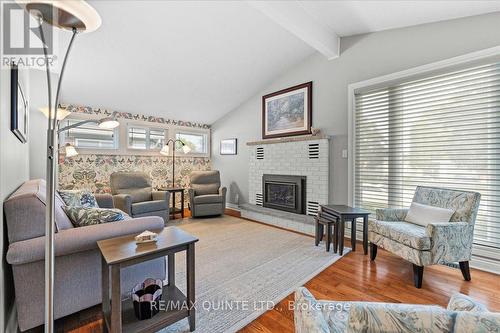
(344,213)
(173,191)
(332,225)
(121,252)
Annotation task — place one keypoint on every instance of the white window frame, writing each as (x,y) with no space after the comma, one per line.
(104,151)
(121,137)
(148,139)
(491,54)
(194,132)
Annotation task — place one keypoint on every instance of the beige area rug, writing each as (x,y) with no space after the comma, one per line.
(243,269)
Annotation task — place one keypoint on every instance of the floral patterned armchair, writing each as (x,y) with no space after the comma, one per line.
(463,314)
(438,243)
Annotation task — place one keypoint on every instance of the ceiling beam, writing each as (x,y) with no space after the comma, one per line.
(294,18)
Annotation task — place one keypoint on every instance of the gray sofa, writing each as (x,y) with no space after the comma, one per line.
(133,193)
(206,196)
(78,262)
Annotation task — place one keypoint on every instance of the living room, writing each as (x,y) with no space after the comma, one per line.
(250,166)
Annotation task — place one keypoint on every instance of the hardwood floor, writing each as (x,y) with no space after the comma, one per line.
(353,277)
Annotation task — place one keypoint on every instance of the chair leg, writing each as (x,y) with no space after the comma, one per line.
(418,273)
(464,267)
(373,251)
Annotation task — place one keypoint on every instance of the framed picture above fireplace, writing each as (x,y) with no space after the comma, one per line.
(287,112)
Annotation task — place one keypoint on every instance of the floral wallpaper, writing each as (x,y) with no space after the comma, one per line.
(128,115)
(92,171)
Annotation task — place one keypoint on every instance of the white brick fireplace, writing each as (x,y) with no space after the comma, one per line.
(300,156)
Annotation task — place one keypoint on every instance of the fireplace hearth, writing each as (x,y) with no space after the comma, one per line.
(284,192)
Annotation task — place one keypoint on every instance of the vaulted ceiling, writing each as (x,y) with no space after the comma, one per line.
(199,60)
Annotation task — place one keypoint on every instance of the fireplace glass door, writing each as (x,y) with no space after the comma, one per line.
(281,194)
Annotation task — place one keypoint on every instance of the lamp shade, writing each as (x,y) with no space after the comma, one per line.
(67,15)
(108,123)
(61,113)
(165,150)
(70,150)
(186,149)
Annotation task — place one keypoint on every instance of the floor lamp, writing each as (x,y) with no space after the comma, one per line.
(165,151)
(76,16)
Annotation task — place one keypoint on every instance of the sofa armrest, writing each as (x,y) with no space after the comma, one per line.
(308,316)
(450,241)
(161,195)
(461,302)
(80,239)
(104,200)
(391,214)
(123,202)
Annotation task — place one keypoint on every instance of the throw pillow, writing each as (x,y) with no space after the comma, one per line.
(84,216)
(78,198)
(423,214)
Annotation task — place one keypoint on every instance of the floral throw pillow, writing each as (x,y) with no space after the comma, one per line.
(78,198)
(85,216)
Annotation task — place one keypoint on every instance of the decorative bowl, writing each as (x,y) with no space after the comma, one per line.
(143,296)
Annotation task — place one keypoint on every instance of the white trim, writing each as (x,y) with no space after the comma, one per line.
(233,206)
(480,259)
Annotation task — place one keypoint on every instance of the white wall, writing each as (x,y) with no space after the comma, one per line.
(362,57)
(14,169)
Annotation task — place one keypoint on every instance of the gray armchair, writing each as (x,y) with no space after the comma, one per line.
(133,193)
(206,196)
(437,243)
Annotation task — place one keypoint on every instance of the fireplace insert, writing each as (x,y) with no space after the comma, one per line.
(283,192)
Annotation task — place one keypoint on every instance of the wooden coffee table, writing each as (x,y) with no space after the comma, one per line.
(121,252)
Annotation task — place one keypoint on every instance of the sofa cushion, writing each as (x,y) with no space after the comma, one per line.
(477,322)
(406,233)
(401,318)
(149,206)
(85,216)
(208,199)
(78,198)
(461,302)
(424,214)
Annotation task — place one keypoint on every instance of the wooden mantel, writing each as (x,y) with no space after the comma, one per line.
(289,139)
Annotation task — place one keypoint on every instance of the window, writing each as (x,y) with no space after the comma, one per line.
(145,138)
(442,130)
(198,142)
(89,136)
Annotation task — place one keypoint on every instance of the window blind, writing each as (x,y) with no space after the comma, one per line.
(441,130)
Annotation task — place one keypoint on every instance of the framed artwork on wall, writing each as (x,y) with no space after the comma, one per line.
(287,112)
(229,146)
(18,107)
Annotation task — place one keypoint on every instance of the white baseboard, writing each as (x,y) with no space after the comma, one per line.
(233,206)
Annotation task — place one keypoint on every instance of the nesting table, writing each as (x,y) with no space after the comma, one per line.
(118,253)
(334,218)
